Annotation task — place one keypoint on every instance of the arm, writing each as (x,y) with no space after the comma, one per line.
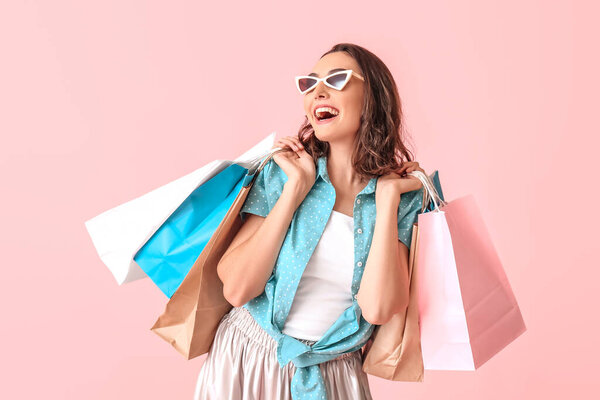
(248,262)
(384,285)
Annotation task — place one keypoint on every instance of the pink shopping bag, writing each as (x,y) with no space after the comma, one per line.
(467,310)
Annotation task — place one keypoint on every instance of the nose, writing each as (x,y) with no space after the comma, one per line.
(320,90)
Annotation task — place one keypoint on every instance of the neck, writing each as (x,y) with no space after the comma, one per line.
(339,166)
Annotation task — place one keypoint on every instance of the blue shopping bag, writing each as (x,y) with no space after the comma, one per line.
(171,251)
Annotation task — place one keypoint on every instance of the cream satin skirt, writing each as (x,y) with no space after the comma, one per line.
(242,365)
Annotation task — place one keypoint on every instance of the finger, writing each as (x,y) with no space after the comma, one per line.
(417,169)
(283,142)
(290,143)
(303,153)
(280,144)
(405,165)
(291,153)
(287,156)
(298,142)
(402,170)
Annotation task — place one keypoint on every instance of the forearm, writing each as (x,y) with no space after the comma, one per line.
(384,285)
(247,268)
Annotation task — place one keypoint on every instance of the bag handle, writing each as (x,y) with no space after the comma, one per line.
(257,163)
(429,191)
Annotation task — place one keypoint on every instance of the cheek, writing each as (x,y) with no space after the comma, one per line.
(353,112)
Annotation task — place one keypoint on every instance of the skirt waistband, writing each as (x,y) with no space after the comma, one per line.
(241,318)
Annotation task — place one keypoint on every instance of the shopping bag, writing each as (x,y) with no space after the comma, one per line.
(120,232)
(194,311)
(467,310)
(394,350)
(172,250)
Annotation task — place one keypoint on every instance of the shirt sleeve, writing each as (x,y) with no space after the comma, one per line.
(257,201)
(408,211)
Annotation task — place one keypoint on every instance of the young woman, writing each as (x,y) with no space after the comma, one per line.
(322,254)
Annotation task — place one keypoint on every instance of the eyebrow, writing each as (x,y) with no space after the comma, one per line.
(330,71)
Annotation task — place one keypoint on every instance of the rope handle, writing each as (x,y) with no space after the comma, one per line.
(429,191)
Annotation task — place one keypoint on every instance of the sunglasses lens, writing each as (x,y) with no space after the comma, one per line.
(337,80)
(306,83)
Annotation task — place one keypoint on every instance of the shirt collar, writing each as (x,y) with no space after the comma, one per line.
(322,172)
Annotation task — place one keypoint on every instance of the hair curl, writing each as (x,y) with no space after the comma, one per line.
(379,147)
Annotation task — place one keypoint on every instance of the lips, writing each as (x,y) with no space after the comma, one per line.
(323,105)
(325,120)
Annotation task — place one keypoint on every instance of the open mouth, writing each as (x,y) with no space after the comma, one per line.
(325,114)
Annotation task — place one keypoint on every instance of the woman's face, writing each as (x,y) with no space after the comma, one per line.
(348,102)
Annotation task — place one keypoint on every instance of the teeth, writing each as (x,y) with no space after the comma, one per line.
(319,111)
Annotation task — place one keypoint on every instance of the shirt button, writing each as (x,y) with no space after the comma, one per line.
(359,230)
(359,263)
(355,296)
(358,201)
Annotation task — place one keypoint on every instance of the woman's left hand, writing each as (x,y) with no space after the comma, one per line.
(397,183)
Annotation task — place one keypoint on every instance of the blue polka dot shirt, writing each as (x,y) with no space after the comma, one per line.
(271,308)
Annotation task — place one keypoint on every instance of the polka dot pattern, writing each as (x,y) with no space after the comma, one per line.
(271,308)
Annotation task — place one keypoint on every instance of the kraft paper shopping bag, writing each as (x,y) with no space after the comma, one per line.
(394,350)
(194,311)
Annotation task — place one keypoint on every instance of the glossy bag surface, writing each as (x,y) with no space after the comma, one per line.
(170,253)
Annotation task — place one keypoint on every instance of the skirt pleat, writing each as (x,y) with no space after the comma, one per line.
(242,364)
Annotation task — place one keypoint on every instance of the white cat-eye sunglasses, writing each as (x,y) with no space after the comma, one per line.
(336,81)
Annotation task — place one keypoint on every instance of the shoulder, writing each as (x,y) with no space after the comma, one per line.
(274,177)
(411,202)
(410,207)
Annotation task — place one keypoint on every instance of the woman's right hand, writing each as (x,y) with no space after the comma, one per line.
(297,164)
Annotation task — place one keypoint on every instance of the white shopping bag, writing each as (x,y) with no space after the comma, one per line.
(120,232)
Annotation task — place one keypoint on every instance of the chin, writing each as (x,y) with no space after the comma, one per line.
(328,134)
(319,135)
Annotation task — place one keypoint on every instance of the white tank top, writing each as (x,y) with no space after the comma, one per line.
(324,290)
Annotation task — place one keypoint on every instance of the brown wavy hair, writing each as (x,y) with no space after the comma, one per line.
(379,147)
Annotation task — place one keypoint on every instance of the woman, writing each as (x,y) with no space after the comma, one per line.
(322,254)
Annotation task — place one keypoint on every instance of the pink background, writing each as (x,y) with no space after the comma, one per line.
(103,101)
